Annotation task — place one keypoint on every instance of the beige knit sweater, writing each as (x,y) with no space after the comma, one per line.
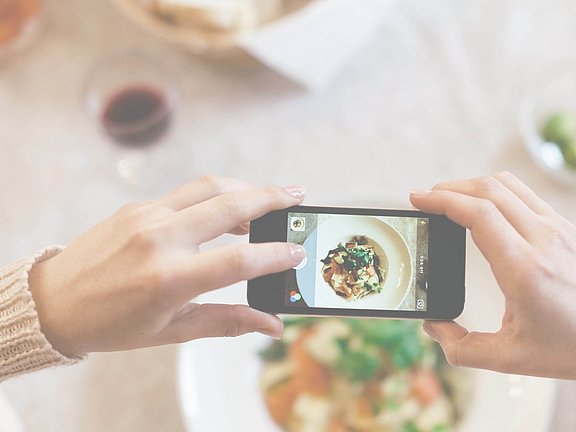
(23,346)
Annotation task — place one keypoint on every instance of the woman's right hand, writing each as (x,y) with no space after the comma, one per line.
(532,252)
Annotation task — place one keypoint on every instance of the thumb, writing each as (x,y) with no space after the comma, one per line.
(197,321)
(468,349)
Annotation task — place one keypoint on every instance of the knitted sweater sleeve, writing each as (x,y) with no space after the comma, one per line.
(23,346)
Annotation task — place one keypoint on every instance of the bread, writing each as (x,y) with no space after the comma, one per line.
(13,15)
(217,15)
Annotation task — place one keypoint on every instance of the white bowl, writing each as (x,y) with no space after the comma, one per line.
(553,92)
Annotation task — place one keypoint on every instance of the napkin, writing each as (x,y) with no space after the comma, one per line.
(8,420)
(312,45)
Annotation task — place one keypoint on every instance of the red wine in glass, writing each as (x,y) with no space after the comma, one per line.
(136,115)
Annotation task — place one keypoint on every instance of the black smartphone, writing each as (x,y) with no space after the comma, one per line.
(363,263)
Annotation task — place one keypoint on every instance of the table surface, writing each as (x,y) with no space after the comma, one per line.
(434,96)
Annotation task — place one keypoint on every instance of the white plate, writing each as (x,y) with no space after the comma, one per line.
(218,378)
(388,242)
(9,422)
(219,392)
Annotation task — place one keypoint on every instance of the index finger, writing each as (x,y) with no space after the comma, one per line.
(220,214)
(200,190)
(512,207)
(498,241)
(527,195)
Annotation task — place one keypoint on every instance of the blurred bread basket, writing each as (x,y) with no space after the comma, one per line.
(210,28)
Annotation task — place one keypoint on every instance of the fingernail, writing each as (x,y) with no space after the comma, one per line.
(430,331)
(269,332)
(297,192)
(419,192)
(297,253)
(245,225)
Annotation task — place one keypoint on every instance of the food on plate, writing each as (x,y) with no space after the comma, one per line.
(355,375)
(13,17)
(354,269)
(216,15)
(560,129)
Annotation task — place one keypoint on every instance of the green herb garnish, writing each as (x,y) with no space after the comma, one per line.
(560,129)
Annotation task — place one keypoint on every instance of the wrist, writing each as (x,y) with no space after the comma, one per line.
(42,284)
(23,346)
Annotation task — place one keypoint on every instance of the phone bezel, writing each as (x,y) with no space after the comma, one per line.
(446,266)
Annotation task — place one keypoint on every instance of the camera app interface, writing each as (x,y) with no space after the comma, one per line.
(359,262)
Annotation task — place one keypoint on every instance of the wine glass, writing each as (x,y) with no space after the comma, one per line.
(132,97)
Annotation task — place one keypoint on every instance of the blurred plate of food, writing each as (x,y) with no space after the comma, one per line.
(20,21)
(208,27)
(361,262)
(547,122)
(337,375)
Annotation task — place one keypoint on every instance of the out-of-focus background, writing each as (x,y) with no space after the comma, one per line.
(359,105)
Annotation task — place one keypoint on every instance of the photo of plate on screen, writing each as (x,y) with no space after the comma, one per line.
(337,375)
(355,262)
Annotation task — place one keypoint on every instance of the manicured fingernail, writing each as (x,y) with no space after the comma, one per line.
(430,331)
(269,332)
(419,192)
(297,253)
(297,192)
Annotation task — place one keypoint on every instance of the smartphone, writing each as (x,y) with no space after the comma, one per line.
(363,263)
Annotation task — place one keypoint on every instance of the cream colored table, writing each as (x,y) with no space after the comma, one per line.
(434,97)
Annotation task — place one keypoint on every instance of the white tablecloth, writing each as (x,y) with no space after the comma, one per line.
(433,97)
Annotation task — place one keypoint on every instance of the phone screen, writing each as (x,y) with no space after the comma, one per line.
(359,262)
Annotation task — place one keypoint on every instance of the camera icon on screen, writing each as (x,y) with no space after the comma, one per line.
(297,223)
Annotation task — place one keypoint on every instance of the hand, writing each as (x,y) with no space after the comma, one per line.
(532,252)
(127,282)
